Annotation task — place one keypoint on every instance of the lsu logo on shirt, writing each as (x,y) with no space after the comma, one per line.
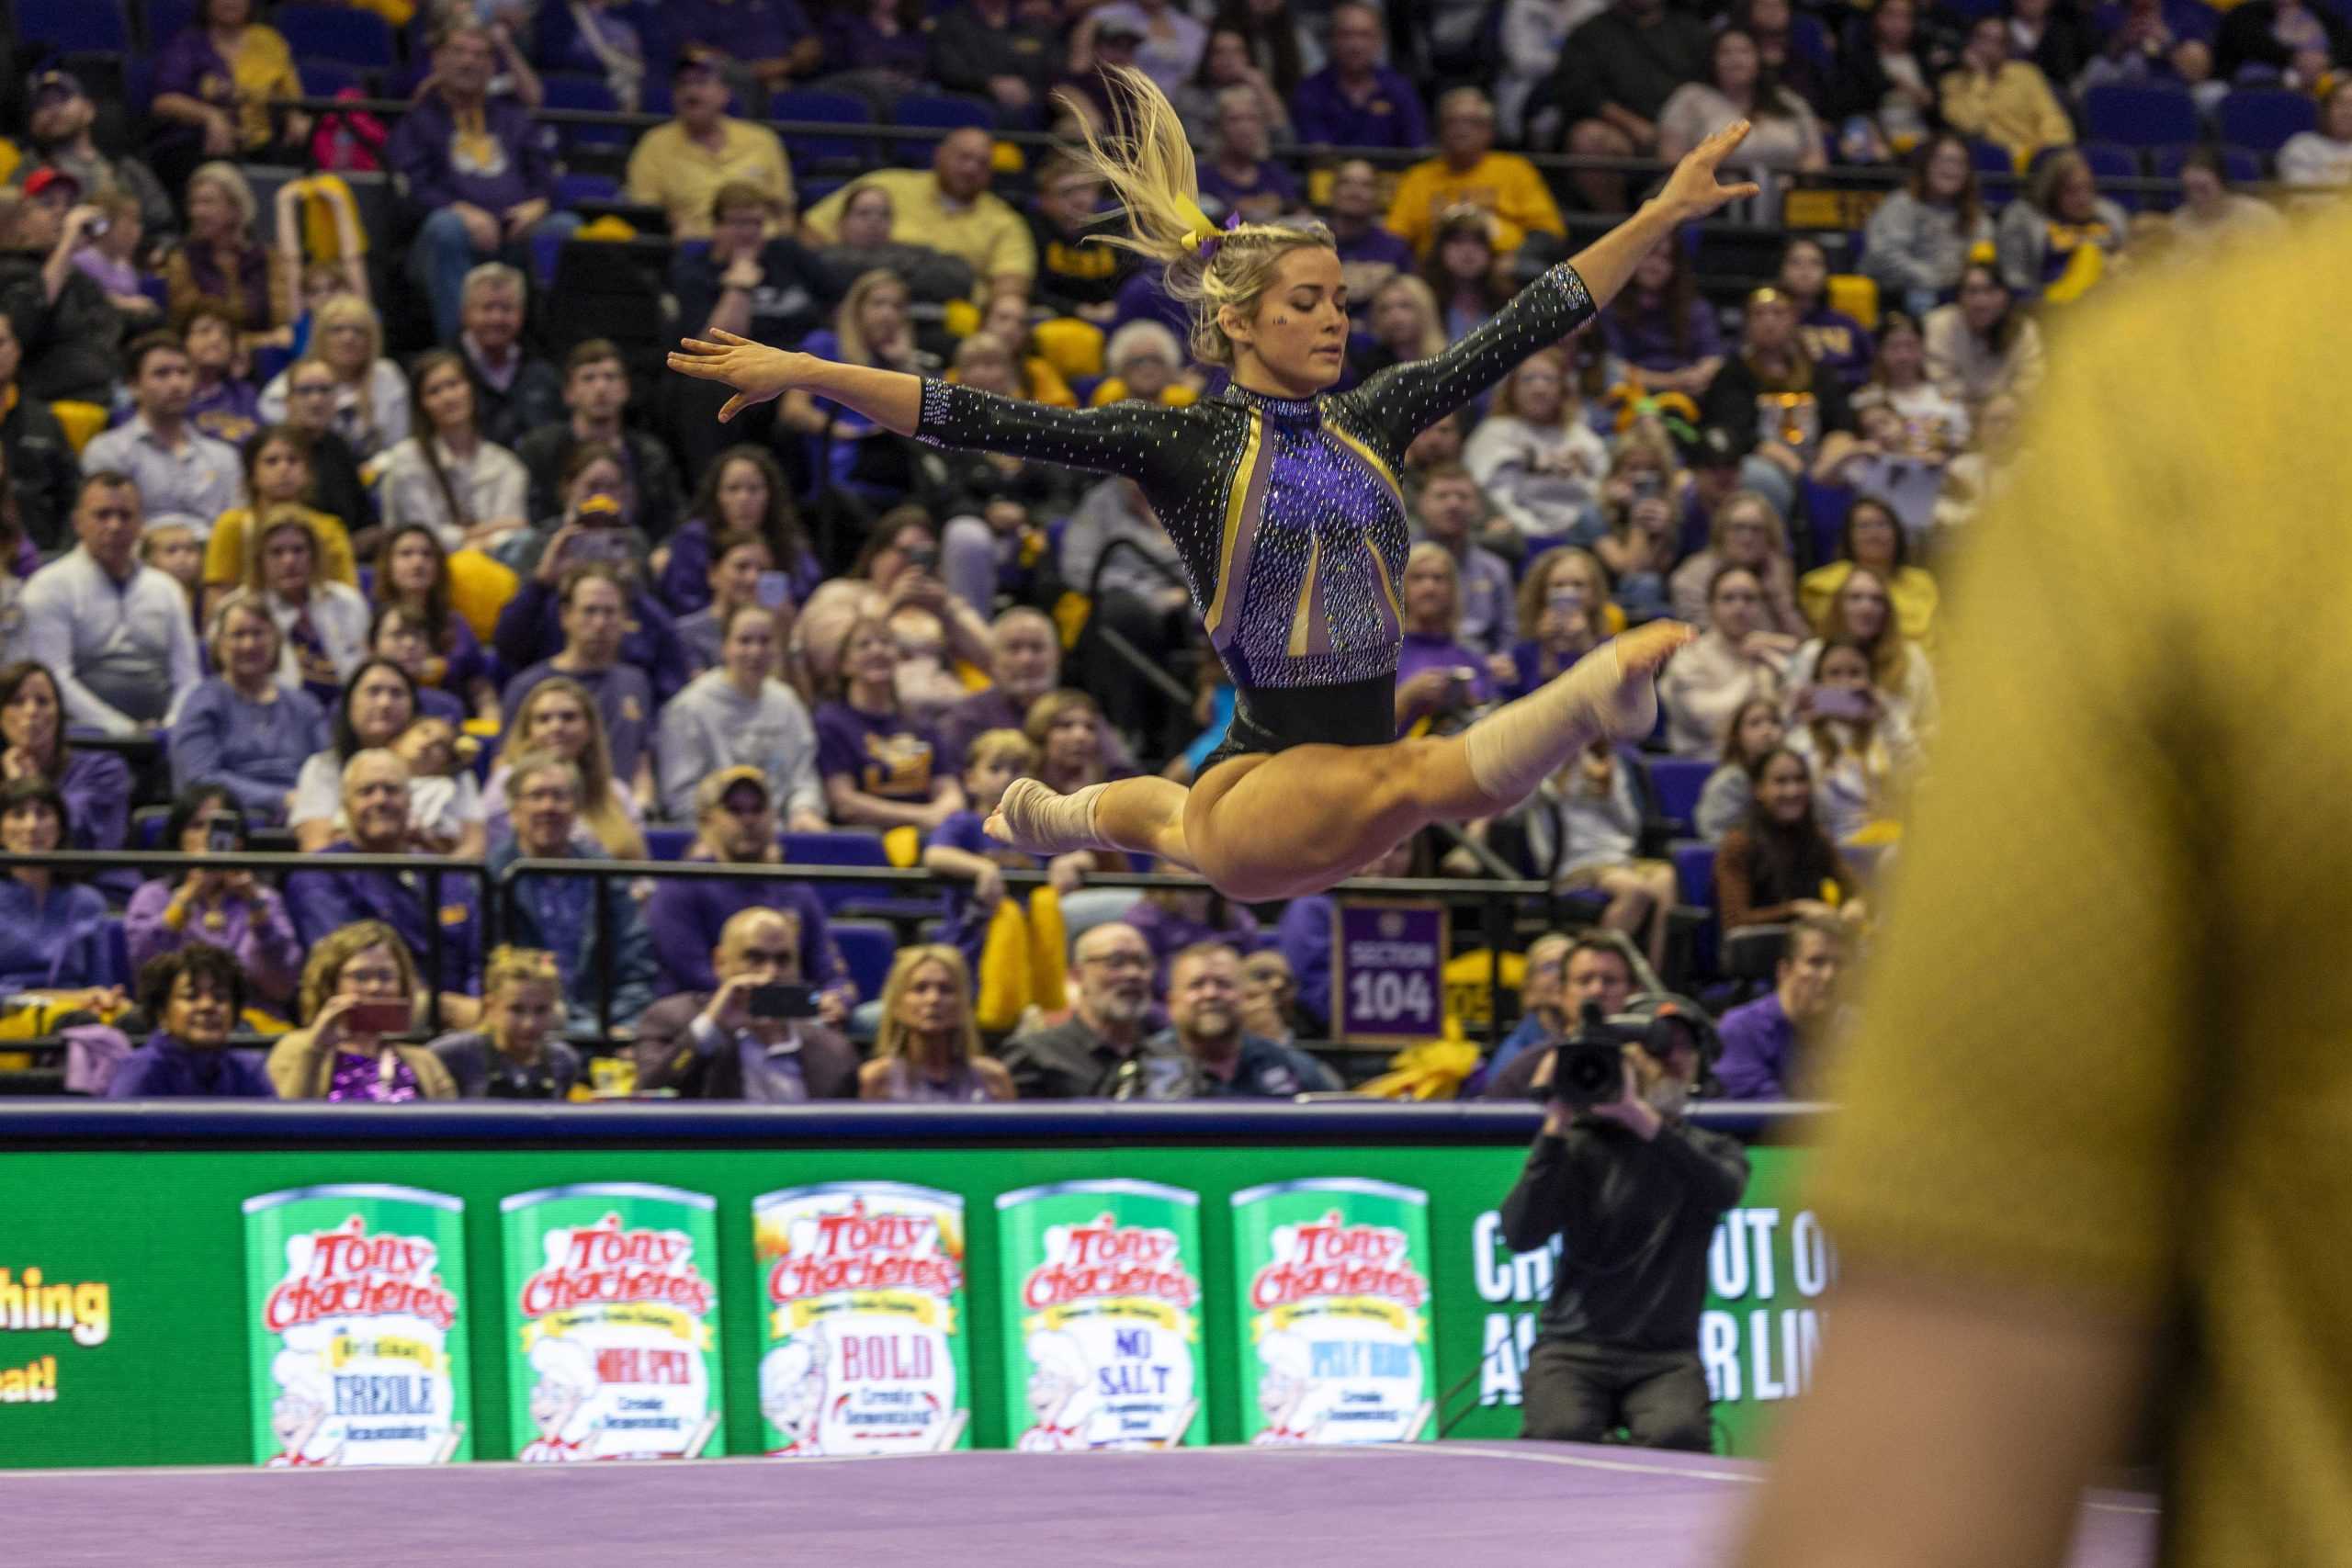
(898,767)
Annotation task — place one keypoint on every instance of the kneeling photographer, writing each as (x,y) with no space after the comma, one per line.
(1635,1191)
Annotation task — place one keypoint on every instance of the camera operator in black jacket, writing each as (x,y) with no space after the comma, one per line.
(1635,1190)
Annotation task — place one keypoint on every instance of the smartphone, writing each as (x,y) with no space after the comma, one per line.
(95,229)
(923,558)
(782,1001)
(774,591)
(1463,677)
(597,545)
(223,837)
(377,1017)
(1648,486)
(1841,702)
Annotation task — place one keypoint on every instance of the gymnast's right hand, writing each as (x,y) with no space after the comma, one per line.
(759,374)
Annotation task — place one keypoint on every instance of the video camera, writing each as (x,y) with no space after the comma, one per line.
(1588,1067)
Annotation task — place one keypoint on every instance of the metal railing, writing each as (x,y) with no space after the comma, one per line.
(1496,899)
(433,870)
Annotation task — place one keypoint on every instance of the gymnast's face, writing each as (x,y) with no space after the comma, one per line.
(1294,343)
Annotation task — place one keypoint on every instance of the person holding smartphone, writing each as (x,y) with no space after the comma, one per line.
(757,1035)
(227,910)
(1860,746)
(359,993)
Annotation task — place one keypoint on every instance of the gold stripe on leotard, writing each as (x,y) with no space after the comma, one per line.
(1301,619)
(1236,498)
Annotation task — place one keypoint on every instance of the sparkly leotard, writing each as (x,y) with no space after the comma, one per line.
(1287,513)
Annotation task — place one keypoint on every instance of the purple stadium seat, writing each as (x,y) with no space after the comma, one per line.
(942,111)
(867,947)
(586,93)
(75,26)
(1679,781)
(831,109)
(335,32)
(2140,117)
(2263,118)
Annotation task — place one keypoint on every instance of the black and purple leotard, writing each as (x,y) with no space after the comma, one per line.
(1287,513)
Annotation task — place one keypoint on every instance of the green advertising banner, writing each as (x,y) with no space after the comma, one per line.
(613,1347)
(130,1331)
(1101,1332)
(354,1300)
(1331,1281)
(862,1319)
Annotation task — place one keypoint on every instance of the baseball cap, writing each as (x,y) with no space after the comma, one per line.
(42,180)
(55,84)
(1118,32)
(713,790)
(688,66)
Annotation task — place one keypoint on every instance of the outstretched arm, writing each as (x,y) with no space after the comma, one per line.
(891,398)
(1406,398)
(1140,440)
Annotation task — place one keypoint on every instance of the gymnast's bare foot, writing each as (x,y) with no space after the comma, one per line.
(1032,816)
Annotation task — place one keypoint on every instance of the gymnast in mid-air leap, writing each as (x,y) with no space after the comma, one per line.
(1285,506)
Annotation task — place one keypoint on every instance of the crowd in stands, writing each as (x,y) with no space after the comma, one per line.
(325,524)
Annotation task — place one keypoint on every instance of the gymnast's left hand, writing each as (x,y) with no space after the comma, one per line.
(759,374)
(1692,191)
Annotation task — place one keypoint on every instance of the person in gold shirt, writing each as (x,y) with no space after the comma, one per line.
(2002,100)
(682,164)
(949,208)
(2098,1123)
(1468,172)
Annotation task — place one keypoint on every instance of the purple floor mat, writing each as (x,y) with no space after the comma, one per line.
(1499,1506)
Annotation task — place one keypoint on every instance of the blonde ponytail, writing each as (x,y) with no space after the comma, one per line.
(1145,158)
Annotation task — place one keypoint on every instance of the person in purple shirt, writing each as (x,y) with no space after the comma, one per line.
(872,43)
(761,44)
(96,784)
(960,847)
(242,728)
(196,996)
(1438,676)
(1660,326)
(375,802)
(591,608)
(536,627)
(736,822)
(1764,1042)
(1024,663)
(225,909)
(1143,297)
(1837,342)
(881,768)
(1356,101)
(226,406)
(475,168)
(1239,175)
(1369,254)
